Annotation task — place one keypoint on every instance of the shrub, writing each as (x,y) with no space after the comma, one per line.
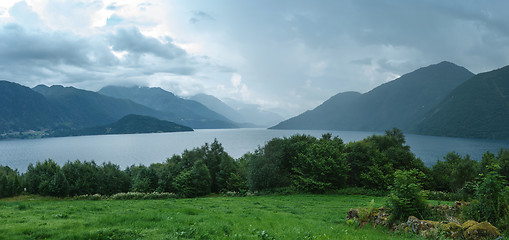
(491,201)
(406,197)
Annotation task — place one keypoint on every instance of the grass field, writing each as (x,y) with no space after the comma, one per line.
(256,217)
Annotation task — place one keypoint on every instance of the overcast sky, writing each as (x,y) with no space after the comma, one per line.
(286,56)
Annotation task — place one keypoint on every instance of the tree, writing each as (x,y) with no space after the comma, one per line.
(10,183)
(38,177)
(321,167)
(195,182)
(83,177)
(452,173)
(143,179)
(58,186)
(112,179)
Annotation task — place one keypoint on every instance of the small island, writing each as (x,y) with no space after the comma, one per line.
(129,124)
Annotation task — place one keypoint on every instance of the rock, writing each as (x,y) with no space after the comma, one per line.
(483,230)
(452,230)
(418,226)
(352,214)
(468,224)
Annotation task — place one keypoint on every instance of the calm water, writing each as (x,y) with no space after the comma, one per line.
(126,150)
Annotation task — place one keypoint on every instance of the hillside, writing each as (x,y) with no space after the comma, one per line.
(80,108)
(399,103)
(23,109)
(129,124)
(189,112)
(478,108)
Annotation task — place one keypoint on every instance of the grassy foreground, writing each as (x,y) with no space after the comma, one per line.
(257,217)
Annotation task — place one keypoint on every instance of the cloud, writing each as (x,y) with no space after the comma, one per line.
(135,43)
(293,54)
(199,16)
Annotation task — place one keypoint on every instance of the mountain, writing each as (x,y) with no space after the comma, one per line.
(23,109)
(129,124)
(399,103)
(478,108)
(190,113)
(77,108)
(218,106)
(253,114)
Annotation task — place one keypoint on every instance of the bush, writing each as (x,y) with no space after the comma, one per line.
(406,197)
(491,201)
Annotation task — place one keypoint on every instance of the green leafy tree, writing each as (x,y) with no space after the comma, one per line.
(38,177)
(83,177)
(195,182)
(228,179)
(112,179)
(321,167)
(59,186)
(406,197)
(143,179)
(270,166)
(10,182)
(452,173)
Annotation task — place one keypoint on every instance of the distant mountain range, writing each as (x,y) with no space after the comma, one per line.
(62,110)
(247,115)
(187,112)
(77,108)
(442,99)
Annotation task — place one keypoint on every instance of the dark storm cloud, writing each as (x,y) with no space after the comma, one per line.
(19,46)
(32,57)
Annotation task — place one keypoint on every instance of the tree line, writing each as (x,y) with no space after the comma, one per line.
(299,163)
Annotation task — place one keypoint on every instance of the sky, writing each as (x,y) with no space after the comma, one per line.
(286,56)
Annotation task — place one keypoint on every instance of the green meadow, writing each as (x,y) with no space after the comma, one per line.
(253,217)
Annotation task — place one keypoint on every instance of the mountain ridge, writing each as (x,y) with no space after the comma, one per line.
(398,103)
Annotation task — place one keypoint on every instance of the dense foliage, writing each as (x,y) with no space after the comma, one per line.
(299,163)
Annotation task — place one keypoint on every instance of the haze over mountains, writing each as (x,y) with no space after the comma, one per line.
(246,114)
(186,112)
(70,110)
(441,99)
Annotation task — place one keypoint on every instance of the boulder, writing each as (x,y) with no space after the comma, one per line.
(483,230)
(419,226)
(452,230)
(468,224)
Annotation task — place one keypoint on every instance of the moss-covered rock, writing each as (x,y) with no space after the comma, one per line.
(419,226)
(483,230)
(452,230)
(468,224)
